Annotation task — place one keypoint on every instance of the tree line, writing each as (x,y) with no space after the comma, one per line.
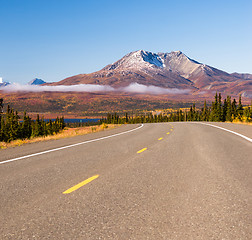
(219,111)
(12,127)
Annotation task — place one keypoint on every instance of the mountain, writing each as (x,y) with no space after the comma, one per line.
(137,67)
(36,81)
(167,70)
(245,76)
(2,83)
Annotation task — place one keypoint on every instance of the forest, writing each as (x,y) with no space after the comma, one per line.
(219,111)
(12,127)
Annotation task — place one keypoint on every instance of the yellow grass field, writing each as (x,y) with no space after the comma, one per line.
(66,133)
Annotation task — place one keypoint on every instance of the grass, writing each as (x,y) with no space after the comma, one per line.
(240,122)
(66,133)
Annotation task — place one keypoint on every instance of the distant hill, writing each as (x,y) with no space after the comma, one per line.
(2,83)
(36,81)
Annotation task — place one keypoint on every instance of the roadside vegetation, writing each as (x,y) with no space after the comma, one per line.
(227,110)
(11,128)
(16,131)
(65,133)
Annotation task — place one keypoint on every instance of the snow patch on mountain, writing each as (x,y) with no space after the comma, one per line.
(137,60)
(152,58)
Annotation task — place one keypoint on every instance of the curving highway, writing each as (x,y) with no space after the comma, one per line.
(152,181)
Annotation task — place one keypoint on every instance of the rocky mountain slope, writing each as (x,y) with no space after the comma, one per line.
(168,70)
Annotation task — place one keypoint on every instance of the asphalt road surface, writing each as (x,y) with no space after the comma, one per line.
(159,181)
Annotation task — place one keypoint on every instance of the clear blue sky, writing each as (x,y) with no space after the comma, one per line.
(55,39)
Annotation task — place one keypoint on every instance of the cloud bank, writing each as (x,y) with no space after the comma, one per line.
(60,88)
(139,88)
(132,88)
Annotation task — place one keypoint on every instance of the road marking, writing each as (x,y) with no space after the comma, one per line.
(171,130)
(160,138)
(142,150)
(69,146)
(80,184)
(168,133)
(238,134)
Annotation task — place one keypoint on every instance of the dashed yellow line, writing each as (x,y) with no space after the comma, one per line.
(142,150)
(80,184)
(171,129)
(168,133)
(160,138)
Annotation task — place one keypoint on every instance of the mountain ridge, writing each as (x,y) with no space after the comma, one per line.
(168,70)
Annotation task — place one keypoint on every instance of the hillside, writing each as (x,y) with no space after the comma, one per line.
(167,70)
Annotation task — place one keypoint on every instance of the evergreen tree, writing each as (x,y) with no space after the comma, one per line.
(240,109)
(1,111)
(224,110)
(26,128)
(234,109)
(37,128)
(204,112)
(126,118)
(229,110)
(219,115)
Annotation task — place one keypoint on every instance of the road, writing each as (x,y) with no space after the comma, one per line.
(159,181)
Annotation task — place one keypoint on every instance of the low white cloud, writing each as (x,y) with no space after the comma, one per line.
(139,88)
(132,88)
(59,88)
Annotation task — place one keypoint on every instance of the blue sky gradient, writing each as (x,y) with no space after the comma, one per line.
(55,39)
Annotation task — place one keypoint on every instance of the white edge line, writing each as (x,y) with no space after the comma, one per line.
(69,146)
(238,134)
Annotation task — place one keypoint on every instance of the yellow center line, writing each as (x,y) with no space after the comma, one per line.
(160,138)
(168,133)
(142,150)
(80,184)
(171,129)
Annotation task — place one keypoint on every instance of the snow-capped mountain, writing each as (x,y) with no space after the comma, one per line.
(169,70)
(2,83)
(137,60)
(36,81)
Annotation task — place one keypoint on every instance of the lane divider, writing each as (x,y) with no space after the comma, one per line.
(69,146)
(81,184)
(168,133)
(160,139)
(140,151)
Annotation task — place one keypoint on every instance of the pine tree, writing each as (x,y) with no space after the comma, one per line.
(2,131)
(219,115)
(205,112)
(214,110)
(224,110)
(229,110)
(234,109)
(37,128)
(126,118)
(26,128)
(1,111)
(240,109)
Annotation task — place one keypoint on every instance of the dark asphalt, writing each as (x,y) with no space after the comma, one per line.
(195,183)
